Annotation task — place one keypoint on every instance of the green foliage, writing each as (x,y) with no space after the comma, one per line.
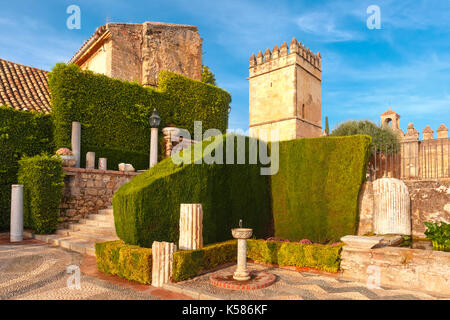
(43,181)
(315,193)
(129,262)
(439,234)
(327,126)
(114,114)
(188,264)
(322,257)
(147,208)
(383,137)
(21,133)
(208,76)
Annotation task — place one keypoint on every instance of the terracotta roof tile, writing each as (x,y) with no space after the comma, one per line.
(23,87)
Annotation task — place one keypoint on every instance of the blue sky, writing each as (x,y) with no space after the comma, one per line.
(405,64)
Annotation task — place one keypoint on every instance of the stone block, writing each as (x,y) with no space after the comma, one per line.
(361,241)
(162,262)
(191,226)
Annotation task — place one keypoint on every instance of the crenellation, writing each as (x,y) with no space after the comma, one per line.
(284,49)
(275,52)
(252,60)
(267,55)
(259,58)
(293,46)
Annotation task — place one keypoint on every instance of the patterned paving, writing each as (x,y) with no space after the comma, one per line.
(38,271)
(292,285)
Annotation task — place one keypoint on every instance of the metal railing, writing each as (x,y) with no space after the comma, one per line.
(427,159)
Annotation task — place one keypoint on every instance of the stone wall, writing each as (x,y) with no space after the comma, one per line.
(412,269)
(430,201)
(88,190)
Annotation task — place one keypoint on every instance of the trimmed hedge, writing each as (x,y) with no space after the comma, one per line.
(43,181)
(147,208)
(115,114)
(318,256)
(126,261)
(21,133)
(315,192)
(189,264)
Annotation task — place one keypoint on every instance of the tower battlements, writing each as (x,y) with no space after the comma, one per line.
(295,53)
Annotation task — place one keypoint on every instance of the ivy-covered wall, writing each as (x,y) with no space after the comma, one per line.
(114,114)
(21,133)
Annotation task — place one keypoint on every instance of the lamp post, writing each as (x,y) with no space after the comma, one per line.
(155,119)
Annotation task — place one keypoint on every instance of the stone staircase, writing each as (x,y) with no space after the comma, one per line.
(82,236)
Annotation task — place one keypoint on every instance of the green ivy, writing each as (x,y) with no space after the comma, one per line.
(43,181)
(21,133)
(114,114)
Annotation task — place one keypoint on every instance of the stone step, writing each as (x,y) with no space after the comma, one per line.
(78,245)
(95,230)
(106,212)
(98,223)
(87,236)
(101,217)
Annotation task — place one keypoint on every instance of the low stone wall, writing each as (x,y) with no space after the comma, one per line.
(430,201)
(412,269)
(88,190)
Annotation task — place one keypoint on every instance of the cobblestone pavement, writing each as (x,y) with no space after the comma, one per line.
(293,285)
(33,270)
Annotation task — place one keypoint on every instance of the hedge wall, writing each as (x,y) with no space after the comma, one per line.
(188,264)
(315,193)
(148,207)
(43,181)
(317,256)
(126,261)
(115,114)
(21,133)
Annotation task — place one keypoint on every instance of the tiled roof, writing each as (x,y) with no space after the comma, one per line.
(23,87)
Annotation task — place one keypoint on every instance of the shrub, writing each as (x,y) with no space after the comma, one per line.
(147,208)
(114,114)
(21,133)
(129,262)
(315,192)
(322,257)
(43,182)
(439,234)
(382,136)
(190,263)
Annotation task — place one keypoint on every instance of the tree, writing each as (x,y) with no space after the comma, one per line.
(208,76)
(383,137)
(327,127)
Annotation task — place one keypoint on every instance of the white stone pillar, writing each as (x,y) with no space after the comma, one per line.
(76,142)
(191,226)
(392,213)
(154,147)
(16,231)
(102,164)
(162,262)
(241,273)
(90,160)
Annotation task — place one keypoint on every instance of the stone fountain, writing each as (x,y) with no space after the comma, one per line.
(241,234)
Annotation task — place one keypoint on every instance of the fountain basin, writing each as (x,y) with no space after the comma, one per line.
(242,233)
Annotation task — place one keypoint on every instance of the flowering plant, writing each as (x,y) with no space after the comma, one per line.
(64,152)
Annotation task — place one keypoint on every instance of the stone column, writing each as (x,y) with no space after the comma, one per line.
(102,164)
(90,160)
(76,142)
(191,226)
(391,207)
(162,261)
(16,231)
(241,273)
(154,147)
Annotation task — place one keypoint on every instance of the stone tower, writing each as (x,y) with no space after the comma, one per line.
(285,92)
(393,118)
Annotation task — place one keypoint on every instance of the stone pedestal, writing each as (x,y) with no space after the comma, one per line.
(391,207)
(76,142)
(90,160)
(16,231)
(162,260)
(102,164)
(191,226)
(154,147)
(241,273)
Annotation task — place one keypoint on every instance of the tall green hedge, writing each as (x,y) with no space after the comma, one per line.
(148,207)
(115,114)
(21,133)
(315,193)
(43,181)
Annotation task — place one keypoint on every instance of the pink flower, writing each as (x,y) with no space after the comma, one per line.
(64,152)
(305,241)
